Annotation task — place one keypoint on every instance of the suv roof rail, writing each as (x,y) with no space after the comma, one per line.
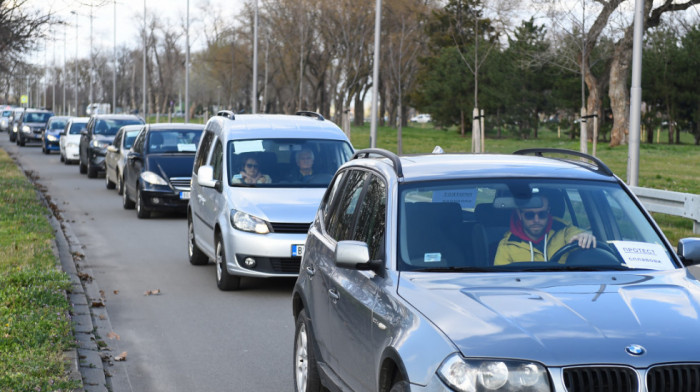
(309,113)
(226,113)
(395,160)
(601,167)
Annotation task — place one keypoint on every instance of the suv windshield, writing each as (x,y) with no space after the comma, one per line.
(33,117)
(524,225)
(285,162)
(110,127)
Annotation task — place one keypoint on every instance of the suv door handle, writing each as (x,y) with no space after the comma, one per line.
(333,293)
(310,270)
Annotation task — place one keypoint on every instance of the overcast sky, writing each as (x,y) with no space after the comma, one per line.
(129,15)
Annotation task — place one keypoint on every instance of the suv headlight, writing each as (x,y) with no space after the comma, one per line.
(246,222)
(153,178)
(26,129)
(493,375)
(99,144)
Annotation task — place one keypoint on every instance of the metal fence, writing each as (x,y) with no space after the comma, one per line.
(681,204)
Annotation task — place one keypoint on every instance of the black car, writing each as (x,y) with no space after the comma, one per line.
(159,168)
(99,134)
(31,125)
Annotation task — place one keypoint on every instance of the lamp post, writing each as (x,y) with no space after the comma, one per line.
(114,71)
(254,98)
(144,61)
(375,76)
(187,66)
(76,61)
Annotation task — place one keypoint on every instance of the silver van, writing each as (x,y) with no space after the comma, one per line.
(257,182)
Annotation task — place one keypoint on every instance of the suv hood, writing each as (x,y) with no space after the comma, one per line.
(563,318)
(286,205)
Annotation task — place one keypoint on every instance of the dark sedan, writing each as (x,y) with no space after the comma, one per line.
(158,170)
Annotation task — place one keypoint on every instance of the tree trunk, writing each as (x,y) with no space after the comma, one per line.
(359,119)
(619,90)
(594,103)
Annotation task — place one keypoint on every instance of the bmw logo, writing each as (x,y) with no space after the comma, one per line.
(635,349)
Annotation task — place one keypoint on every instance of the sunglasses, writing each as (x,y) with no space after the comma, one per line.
(530,215)
(251,165)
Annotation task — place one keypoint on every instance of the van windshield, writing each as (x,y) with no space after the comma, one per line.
(286,163)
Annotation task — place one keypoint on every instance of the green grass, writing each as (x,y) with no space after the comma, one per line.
(662,166)
(35,327)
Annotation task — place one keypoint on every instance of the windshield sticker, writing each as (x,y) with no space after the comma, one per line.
(432,257)
(187,147)
(465,197)
(643,255)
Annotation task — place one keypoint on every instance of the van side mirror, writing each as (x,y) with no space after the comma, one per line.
(205,178)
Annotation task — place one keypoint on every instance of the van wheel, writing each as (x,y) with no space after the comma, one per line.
(224,280)
(197,257)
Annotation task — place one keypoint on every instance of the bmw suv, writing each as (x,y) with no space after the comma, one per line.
(447,272)
(256,184)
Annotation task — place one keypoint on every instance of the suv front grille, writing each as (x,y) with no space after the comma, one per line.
(600,379)
(181,183)
(674,378)
(290,228)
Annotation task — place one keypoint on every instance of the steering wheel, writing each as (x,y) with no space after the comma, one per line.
(573,247)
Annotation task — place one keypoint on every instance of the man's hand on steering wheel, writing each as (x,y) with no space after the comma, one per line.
(585,240)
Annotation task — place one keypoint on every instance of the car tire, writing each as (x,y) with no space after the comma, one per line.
(62,158)
(224,280)
(91,170)
(306,376)
(120,184)
(126,202)
(196,256)
(400,386)
(43,149)
(82,167)
(108,183)
(141,210)
(13,137)
(20,141)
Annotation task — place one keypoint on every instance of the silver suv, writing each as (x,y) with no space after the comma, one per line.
(256,184)
(530,272)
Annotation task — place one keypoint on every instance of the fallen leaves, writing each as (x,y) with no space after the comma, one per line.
(98,303)
(113,335)
(152,292)
(121,357)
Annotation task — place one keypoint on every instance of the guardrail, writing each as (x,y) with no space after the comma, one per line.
(686,205)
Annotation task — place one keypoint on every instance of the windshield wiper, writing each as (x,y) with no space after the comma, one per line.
(576,268)
(457,269)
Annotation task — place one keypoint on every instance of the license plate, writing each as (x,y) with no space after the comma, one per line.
(184,195)
(297,250)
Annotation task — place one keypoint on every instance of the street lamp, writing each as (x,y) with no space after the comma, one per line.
(76,61)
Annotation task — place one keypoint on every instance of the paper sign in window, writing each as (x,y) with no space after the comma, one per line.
(643,255)
(465,197)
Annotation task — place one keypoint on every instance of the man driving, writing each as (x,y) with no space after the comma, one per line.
(536,235)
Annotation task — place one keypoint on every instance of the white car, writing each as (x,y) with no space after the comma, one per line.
(70,139)
(422,118)
(115,159)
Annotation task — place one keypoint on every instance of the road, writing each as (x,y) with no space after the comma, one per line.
(190,337)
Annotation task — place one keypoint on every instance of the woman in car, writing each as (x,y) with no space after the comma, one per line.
(250,173)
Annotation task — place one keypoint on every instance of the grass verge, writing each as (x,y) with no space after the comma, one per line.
(35,326)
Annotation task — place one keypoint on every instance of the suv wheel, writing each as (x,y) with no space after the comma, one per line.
(197,257)
(306,378)
(141,210)
(91,170)
(82,167)
(126,202)
(224,280)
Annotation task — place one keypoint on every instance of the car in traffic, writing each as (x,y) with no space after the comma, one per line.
(158,168)
(13,127)
(115,159)
(52,133)
(256,184)
(69,141)
(6,118)
(97,135)
(406,282)
(31,125)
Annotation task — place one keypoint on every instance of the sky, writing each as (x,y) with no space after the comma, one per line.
(129,21)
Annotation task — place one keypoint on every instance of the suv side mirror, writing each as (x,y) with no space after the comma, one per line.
(689,251)
(355,255)
(205,178)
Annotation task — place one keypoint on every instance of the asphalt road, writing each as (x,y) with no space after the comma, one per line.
(190,337)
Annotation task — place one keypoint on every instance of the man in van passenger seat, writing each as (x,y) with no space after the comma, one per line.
(535,235)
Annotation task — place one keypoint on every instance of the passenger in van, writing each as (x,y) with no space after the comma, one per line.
(250,173)
(305,163)
(535,235)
